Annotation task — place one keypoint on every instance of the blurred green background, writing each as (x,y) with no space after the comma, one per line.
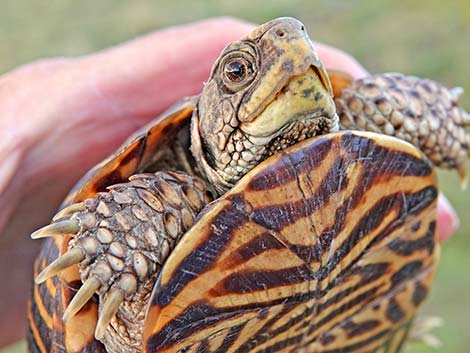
(428,38)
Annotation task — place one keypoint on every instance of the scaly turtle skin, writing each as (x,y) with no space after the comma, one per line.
(316,244)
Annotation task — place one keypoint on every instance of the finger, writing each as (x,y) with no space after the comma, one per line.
(447,219)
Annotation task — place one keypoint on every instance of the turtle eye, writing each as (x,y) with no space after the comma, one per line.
(236,70)
(237,73)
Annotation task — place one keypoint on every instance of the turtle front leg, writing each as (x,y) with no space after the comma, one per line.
(420,111)
(121,239)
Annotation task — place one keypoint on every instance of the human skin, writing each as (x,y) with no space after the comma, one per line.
(58,117)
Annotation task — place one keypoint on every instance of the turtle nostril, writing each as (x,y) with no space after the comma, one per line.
(280,33)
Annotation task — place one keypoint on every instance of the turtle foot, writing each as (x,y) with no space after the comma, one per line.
(120,238)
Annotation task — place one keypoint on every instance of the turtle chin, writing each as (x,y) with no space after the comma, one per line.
(301,128)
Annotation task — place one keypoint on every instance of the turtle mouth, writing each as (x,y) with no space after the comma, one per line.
(303,100)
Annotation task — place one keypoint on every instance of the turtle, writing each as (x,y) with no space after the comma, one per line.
(285,208)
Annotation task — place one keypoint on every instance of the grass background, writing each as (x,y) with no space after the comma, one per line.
(428,38)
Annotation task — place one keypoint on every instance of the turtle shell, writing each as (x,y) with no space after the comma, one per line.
(329,246)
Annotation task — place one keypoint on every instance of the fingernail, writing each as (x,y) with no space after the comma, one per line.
(447,219)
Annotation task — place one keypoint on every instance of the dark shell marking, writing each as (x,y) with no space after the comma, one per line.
(334,263)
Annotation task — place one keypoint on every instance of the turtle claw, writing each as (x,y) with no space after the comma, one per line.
(69,210)
(71,257)
(125,286)
(66,226)
(84,294)
(110,307)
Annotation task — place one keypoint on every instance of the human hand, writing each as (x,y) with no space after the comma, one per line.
(59,117)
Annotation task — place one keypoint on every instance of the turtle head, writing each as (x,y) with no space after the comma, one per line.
(266,92)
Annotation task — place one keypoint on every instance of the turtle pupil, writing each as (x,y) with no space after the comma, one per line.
(235,71)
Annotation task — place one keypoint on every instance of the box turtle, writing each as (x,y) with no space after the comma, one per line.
(256,217)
